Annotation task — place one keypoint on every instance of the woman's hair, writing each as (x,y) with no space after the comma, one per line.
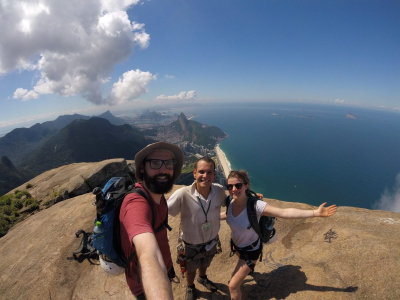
(242,175)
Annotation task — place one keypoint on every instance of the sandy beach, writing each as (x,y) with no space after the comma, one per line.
(223,161)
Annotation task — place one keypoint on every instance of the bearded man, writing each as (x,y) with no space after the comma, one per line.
(157,167)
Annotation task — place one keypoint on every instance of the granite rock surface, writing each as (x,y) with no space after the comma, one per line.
(352,255)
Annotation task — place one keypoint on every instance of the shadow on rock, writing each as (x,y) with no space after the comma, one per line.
(282,282)
(221,294)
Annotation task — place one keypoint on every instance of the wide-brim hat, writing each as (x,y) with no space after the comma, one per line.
(175,150)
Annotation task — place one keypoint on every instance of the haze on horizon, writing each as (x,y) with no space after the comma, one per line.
(60,57)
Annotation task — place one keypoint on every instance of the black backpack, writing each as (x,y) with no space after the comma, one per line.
(265,228)
(108,205)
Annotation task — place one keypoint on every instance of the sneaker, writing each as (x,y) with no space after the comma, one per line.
(207,283)
(190,293)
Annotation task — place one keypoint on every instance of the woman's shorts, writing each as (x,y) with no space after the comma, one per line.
(252,255)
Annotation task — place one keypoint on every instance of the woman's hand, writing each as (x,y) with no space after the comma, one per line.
(223,215)
(326,211)
(260,196)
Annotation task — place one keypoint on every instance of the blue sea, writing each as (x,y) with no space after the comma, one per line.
(310,153)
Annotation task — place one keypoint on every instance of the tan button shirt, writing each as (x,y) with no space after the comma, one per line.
(186,202)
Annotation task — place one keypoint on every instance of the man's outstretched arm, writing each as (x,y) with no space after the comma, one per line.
(153,272)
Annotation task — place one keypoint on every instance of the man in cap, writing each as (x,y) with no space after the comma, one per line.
(157,167)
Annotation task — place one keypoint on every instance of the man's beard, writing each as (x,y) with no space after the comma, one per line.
(157,187)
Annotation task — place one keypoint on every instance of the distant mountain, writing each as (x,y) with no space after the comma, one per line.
(190,131)
(22,142)
(86,141)
(10,177)
(113,119)
(63,121)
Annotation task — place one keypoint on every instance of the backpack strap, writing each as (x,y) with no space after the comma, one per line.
(165,222)
(252,212)
(86,246)
(228,201)
(116,235)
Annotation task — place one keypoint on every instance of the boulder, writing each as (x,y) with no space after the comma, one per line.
(75,179)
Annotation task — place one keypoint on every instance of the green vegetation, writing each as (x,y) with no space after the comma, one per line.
(10,206)
(28,186)
(30,201)
(17,204)
(188,168)
(34,206)
(20,194)
(55,194)
(6,200)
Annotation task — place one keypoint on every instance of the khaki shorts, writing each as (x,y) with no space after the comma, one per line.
(201,260)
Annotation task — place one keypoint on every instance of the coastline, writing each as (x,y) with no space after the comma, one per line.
(223,161)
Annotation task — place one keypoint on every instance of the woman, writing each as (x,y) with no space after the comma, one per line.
(246,241)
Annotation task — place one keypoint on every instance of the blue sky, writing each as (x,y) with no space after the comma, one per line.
(59,57)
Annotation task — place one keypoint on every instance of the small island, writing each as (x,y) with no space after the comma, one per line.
(350,116)
(306,117)
(274,114)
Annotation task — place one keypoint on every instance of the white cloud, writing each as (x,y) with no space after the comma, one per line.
(339,101)
(130,86)
(390,199)
(169,76)
(24,94)
(191,95)
(74,44)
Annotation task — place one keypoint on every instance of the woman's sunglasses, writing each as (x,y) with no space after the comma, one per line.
(237,185)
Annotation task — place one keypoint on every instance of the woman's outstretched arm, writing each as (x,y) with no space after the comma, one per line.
(294,213)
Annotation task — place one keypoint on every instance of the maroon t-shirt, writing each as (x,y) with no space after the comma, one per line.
(135,218)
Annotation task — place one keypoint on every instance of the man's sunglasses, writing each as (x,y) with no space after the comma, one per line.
(156,164)
(237,186)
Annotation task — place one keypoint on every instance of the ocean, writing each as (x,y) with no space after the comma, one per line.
(310,153)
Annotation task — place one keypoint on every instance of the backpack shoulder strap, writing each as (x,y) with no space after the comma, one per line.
(228,201)
(144,195)
(116,235)
(252,214)
(165,222)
